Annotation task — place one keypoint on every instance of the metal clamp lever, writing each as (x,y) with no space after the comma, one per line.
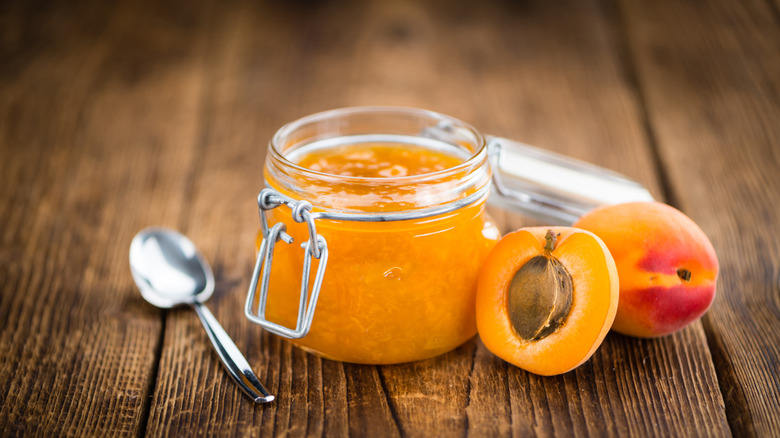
(549,187)
(315,247)
(554,188)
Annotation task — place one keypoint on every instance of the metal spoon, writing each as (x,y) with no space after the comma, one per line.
(170,271)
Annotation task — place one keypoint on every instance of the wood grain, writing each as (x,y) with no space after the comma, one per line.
(82,170)
(710,75)
(116,117)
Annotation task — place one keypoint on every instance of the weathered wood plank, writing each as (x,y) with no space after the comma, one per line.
(565,87)
(82,170)
(710,74)
(246,62)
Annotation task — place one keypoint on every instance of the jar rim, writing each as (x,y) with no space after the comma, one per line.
(478,155)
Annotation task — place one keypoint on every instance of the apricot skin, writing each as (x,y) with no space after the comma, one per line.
(667,266)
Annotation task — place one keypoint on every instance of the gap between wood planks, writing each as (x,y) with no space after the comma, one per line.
(146,405)
(616,19)
(616,16)
(196,166)
(721,59)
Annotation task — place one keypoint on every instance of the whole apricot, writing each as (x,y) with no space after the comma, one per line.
(666,264)
(546,297)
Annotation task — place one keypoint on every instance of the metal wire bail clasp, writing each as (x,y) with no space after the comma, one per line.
(315,247)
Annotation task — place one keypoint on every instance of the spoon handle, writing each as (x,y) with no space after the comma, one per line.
(231,357)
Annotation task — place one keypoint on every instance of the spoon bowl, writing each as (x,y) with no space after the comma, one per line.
(170,271)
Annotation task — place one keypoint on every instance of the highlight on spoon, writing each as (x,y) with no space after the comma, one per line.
(168,268)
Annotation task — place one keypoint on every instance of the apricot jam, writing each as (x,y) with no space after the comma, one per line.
(377,160)
(393,290)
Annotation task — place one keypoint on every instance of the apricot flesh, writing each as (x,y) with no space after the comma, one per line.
(588,314)
(667,266)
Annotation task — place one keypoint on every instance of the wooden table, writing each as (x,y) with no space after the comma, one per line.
(114,117)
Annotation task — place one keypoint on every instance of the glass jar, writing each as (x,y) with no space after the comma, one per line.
(389,262)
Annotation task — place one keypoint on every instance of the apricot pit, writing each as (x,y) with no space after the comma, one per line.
(540,293)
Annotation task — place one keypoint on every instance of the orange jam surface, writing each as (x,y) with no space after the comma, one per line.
(393,291)
(378,160)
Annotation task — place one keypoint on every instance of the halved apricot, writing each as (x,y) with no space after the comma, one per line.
(546,298)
